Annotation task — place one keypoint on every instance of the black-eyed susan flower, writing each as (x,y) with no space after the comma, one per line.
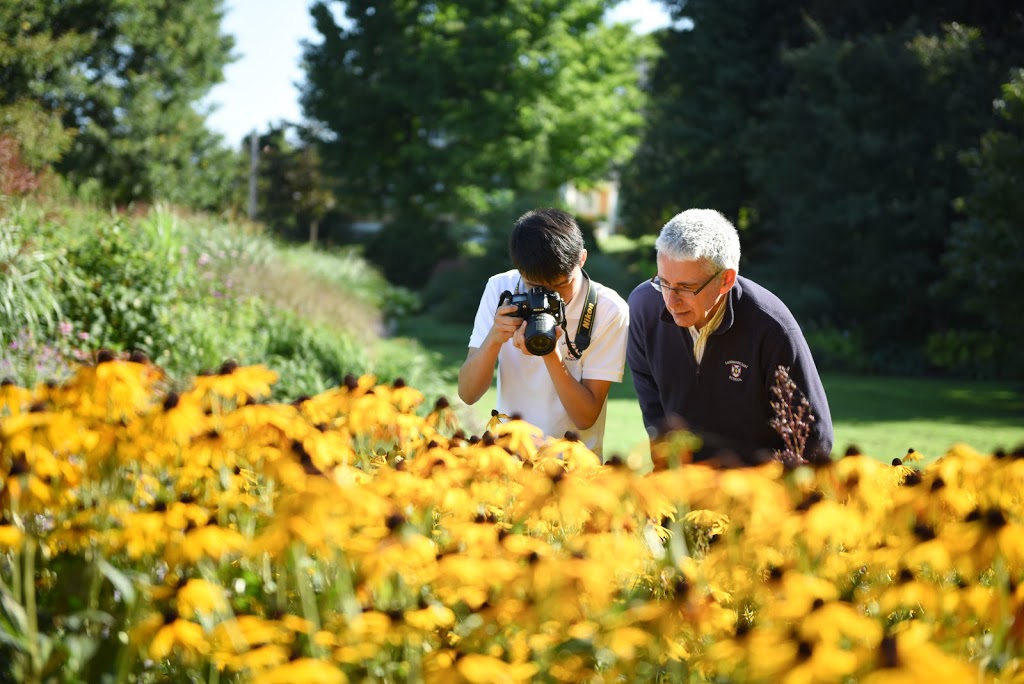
(14,399)
(908,656)
(519,437)
(235,384)
(306,670)
(168,636)
(10,538)
(200,597)
(477,668)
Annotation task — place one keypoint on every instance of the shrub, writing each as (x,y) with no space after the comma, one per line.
(192,292)
(28,274)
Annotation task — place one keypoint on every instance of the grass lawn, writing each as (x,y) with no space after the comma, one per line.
(882,416)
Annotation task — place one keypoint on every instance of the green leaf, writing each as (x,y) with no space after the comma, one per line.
(120,581)
(17,620)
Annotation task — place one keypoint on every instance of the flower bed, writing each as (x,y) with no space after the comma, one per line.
(358,534)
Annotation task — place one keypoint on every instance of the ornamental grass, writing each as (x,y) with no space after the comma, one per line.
(359,535)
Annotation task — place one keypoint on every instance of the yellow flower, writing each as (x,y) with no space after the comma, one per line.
(404,397)
(182,637)
(370,414)
(180,420)
(211,541)
(244,632)
(624,642)
(574,453)
(484,669)
(10,537)
(111,389)
(305,670)
(431,618)
(234,383)
(712,522)
(200,596)
(495,420)
(519,437)
(257,660)
(909,657)
(13,399)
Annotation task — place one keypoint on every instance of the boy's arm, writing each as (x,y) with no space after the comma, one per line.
(582,399)
(477,370)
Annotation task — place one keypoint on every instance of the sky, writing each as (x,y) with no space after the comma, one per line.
(260,86)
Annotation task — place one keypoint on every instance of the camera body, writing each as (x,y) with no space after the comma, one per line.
(544,310)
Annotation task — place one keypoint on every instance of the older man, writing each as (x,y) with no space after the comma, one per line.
(705,346)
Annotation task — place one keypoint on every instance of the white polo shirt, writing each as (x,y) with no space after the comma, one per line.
(524,386)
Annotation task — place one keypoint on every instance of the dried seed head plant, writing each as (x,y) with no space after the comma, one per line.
(792,420)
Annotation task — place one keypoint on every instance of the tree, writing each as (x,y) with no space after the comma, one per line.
(718,65)
(123,78)
(856,167)
(982,259)
(293,197)
(437,109)
(831,134)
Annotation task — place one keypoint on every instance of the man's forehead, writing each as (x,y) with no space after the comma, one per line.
(681,264)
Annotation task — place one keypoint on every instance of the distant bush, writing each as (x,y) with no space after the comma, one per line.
(174,287)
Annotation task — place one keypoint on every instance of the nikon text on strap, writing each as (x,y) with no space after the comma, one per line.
(586,325)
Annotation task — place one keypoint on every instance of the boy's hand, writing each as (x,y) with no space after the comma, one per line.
(505,326)
(519,340)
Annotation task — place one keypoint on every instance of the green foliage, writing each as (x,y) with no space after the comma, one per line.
(838,350)
(108,91)
(344,274)
(407,248)
(868,202)
(437,109)
(834,137)
(293,198)
(117,292)
(193,292)
(27,277)
(983,272)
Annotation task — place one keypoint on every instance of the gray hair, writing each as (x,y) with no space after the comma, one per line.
(699,234)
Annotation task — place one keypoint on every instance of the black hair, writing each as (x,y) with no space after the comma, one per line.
(545,245)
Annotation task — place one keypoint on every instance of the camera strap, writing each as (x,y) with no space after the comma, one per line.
(586,325)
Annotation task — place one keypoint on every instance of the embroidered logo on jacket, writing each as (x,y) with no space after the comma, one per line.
(736,369)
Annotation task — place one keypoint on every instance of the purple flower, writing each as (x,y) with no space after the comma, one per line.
(83,335)
(65,328)
(204,259)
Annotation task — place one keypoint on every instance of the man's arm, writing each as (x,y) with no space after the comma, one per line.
(647,392)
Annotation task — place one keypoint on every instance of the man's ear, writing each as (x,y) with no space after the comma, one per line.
(583,257)
(728,279)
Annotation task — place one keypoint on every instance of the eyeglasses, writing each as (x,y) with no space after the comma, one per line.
(658,284)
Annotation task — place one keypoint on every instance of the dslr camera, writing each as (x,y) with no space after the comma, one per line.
(543,310)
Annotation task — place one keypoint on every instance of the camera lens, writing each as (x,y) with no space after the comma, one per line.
(540,334)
